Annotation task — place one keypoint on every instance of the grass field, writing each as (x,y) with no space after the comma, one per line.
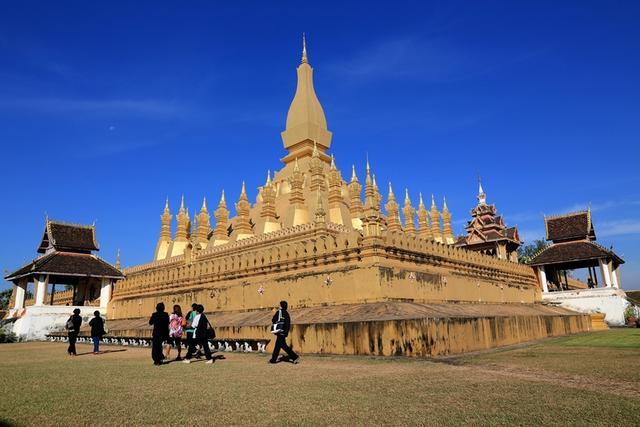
(587,379)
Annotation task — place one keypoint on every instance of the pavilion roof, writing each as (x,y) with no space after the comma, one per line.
(68,264)
(68,237)
(573,226)
(572,253)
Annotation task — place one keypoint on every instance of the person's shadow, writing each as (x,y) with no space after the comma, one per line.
(102,352)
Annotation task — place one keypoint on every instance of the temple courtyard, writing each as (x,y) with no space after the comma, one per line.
(584,379)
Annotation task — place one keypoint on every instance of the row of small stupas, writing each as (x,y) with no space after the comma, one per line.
(293,201)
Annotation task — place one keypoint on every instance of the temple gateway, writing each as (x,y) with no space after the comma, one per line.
(363,273)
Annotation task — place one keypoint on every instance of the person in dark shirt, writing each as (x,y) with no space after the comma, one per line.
(201,327)
(160,322)
(281,327)
(73,329)
(97,331)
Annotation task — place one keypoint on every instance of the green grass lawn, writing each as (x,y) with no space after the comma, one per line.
(554,382)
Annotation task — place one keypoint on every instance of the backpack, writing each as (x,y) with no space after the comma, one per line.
(69,325)
(175,326)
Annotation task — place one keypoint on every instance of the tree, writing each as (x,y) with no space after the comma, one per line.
(527,252)
(5,296)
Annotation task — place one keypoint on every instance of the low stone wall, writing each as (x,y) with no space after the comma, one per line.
(395,328)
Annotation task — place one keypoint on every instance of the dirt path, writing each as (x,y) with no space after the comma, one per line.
(616,387)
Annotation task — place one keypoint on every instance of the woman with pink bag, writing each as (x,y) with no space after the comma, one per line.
(176,327)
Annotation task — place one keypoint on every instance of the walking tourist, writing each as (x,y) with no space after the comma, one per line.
(176,324)
(281,324)
(191,345)
(201,328)
(97,331)
(73,329)
(160,322)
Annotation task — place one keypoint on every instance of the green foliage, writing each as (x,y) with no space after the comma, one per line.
(7,336)
(630,311)
(527,252)
(5,296)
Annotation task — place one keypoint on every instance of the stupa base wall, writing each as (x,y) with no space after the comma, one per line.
(353,283)
(394,328)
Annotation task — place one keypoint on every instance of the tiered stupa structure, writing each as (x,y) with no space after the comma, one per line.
(487,232)
(383,280)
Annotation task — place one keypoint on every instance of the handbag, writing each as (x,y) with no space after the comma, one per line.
(211,333)
(69,325)
(278,326)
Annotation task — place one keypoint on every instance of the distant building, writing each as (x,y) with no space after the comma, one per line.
(488,234)
(66,260)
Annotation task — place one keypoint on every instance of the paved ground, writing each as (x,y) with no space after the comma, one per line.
(588,379)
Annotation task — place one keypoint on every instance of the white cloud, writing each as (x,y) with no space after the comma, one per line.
(153,108)
(618,228)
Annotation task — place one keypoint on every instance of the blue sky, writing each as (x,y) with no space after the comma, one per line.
(106,108)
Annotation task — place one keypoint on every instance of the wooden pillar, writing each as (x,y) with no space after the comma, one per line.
(53,291)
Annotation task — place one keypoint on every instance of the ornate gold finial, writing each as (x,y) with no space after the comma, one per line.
(333,162)
(433,201)
(315,149)
(409,214)
(296,166)
(304,50)
(166,205)
(354,177)
(482,197)
(204,205)
(268,177)
(421,202)
(391,195)
(118,259)
(244,190)
(182,203)
(444,203)
(222,199)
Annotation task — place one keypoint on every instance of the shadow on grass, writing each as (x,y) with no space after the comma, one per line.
(214,358)
(102,352)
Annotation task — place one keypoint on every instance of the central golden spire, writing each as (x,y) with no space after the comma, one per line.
(306,122)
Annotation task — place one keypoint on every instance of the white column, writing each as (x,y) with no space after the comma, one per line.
(105,293)
(614,277)
(41,288)
(606,272)
(542,275)
(20,293)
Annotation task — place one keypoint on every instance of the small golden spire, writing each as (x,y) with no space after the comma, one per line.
(391,195)
(333,162)
(433,201)
(166,205)
(182,203)
(315,150)
(304,50)
(118,259)
(296,166)
(354,177)
(444,206)
(243,192)
(268,177)
(407,200)
(421,203)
